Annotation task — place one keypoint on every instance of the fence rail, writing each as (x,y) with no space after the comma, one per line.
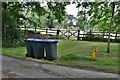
(79,35)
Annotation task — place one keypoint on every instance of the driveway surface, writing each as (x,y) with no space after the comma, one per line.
(16,68)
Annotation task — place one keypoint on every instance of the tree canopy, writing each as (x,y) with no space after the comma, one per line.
(103,16)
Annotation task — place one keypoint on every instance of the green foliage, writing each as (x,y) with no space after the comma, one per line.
(82,18)
(99,14)
(103,15)
(58,10)
(11,35)
(26,14)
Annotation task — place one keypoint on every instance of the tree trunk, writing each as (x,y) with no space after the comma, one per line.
(108,46)
(35,28)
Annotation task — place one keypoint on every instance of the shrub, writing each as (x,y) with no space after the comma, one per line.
(14,39)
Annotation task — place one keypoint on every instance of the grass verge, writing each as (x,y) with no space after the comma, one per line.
(77,54)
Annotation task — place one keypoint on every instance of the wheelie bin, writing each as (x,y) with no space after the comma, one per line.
(29,47)
(50,46)
(38,48)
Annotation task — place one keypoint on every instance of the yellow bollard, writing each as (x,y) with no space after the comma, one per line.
(94,51)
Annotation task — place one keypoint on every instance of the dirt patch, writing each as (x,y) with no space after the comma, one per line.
(9,74)
(32,34)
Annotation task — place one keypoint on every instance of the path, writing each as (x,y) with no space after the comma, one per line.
(12,67)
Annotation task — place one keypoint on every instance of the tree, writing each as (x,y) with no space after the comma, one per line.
(13,17)
(58,9)
(82,15)
(17,14)
(104,15)
(110,26)
(69,20)
(10,22)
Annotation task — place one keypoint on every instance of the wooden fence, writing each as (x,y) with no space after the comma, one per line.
(81,35)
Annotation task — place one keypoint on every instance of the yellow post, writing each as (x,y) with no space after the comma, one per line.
(94,51)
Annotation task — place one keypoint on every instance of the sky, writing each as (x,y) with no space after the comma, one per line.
(71,9)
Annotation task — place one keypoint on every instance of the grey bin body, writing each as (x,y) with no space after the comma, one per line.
(29,47)
(51,49)
(38,48)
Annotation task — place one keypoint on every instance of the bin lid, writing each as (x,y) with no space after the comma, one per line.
(51,41)
(29,39)
(38,40)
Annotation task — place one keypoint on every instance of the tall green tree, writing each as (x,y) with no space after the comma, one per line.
(104,15)
(82,15)
(10,23)
(58,10)
(17,14)
(110,26)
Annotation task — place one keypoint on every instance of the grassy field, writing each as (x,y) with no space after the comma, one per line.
(77,54)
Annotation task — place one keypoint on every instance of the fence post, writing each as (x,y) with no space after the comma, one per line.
(58,32)
(68,34)
(35,29)
(90,35)
(25,30)
(46,30)
(103,36)
(116,36)
(78,37)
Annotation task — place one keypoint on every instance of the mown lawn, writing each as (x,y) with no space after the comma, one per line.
(77,54)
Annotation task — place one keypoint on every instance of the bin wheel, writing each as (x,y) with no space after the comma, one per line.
(45,58)
(32,56)
(39,58)
(26,55)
